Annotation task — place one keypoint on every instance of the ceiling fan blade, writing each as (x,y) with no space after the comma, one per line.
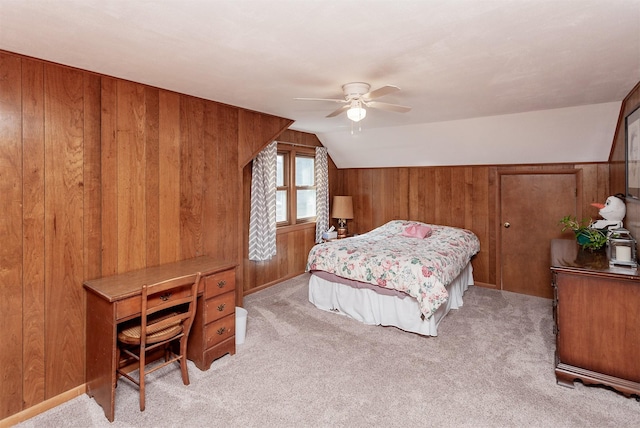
(335,100)
(377,93)
(389,107)
(338,111)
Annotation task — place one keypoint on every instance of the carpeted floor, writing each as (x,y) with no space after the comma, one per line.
(490,366)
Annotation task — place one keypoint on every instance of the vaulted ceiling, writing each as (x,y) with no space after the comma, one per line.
(489,81)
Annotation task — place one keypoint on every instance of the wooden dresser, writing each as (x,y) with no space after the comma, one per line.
(597,319)
(213,331)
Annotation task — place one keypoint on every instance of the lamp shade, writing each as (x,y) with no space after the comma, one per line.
(356,114)
(356,111)
(342,207)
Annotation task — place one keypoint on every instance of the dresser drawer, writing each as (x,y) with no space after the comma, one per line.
(219,330)
(219,283)
(219,306)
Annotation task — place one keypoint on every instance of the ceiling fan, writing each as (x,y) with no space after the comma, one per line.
(358,97)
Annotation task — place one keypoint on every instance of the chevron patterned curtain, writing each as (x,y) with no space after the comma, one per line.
(322,192)
(262,223)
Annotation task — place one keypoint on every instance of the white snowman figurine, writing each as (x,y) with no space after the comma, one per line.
(612,212)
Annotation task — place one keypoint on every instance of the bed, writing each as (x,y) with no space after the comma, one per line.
(404,274)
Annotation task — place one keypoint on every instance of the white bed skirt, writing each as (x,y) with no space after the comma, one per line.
(371,308)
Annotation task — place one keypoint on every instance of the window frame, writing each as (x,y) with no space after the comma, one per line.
(290,153)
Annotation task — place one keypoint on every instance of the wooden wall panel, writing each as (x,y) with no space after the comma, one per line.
(191,178)
(443,196)
(222,183)
(34,232)
(168,190)
(92,208)
(63,196)
(92,176)
(256,130)
(11,258)
(152,175)
(109,175)
(422,193)
(292,248)
(479,218)
(460,196)
(130,142)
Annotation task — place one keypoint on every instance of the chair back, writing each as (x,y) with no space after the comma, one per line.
(168,303)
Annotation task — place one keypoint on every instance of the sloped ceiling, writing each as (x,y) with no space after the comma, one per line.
(490,81)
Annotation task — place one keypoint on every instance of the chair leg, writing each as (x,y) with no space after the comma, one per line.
(142,363)
(167,352)
(183,361)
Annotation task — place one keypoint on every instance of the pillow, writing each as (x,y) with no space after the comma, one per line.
(417,231)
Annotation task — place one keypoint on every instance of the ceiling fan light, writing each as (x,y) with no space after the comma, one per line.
(357,113)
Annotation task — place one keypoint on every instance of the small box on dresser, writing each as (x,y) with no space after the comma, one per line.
(213,331)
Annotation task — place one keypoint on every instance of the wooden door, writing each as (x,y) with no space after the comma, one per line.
(531,205)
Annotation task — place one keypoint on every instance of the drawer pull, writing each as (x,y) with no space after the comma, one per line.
(221,307)
(222,283)
(222,330)
(165,297)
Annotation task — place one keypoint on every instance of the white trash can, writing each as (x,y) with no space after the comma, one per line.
(241,325)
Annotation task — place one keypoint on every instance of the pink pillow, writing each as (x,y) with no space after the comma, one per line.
(417,231)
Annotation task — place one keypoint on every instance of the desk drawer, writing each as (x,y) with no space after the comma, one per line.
(128,307)
(133,305)
(219,307)
(219,283)
(220,330)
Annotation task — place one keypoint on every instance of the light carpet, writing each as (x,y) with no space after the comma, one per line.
(490,366)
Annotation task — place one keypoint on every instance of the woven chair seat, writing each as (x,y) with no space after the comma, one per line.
(157,331)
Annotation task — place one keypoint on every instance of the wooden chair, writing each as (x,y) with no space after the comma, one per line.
(167,312)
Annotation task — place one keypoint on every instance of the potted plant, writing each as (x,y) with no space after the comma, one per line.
(587,237)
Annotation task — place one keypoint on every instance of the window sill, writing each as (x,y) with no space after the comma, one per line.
(295,227)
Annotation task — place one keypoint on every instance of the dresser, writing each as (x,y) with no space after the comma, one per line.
(596,311)
(113,300)
(213,332)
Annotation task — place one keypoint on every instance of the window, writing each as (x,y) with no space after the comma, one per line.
(295,186)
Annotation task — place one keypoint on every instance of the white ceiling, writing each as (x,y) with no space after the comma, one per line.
(490,81)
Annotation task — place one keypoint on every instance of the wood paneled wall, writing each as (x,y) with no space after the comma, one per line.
(100,176)
(461,196)
(49,120)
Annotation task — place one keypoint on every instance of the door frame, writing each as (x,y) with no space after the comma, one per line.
(498,221)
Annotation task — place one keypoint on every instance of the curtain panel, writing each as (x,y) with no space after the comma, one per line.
(262,223)
(322,192)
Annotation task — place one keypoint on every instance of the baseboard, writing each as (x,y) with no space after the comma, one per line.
(486,285)
(269,284)
(43,407)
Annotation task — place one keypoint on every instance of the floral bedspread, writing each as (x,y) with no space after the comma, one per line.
(383,257)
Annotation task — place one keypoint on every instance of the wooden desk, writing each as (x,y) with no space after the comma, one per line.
(115,299)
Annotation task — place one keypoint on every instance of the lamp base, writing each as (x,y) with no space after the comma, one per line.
(342,232)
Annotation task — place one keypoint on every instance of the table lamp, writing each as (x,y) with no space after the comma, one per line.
(342,210)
